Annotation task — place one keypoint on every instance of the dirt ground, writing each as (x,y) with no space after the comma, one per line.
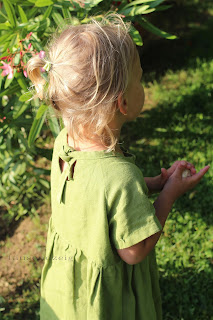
(23,251)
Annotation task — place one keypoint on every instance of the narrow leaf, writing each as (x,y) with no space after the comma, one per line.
(43,3)
(59,21)
(5,26)
(6,37)
(134,3)
(53,123)
(47,13)
(10,91)
(43,25)
(21,81)
(7,83)
(10,12)
(32,13)
(37,124)
(136,37)
(156,3)
(26,96)
(18,113)
(66,14)
(42,109)
(22,15)
(150,27)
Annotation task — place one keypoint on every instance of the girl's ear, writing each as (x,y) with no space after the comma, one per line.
(122,104)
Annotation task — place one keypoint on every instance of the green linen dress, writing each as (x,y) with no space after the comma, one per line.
(99,203)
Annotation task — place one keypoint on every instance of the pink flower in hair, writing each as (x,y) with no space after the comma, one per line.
(41,54)
(7,70)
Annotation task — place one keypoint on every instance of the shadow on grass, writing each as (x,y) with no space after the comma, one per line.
(23,304)
(174,131)
(187,294)
(8,225)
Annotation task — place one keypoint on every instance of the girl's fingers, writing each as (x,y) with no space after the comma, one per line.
(163,172)
(198,176)
(191,167)
(180,168)
(164,176)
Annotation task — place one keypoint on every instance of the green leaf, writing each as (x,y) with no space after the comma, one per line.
(21,81)
(26,96)
(150,27)
(67,14)
(134,3)
(47,13)
(92,3)
(10,91)
(42,109)
(22,15)
(156,3)
(18,113)
(53,122)
(13,40)
(61,123)
(10,12)
(45,183)
(43,25)
(32,13)
(43,3)
(37,124)
(3,15)
(137,10)
(59,21)
(5,26)
(136,37)
(7,83)
(6,37)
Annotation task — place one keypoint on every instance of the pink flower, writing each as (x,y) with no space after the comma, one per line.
(29,46)
(41,54)
(25,73)
(29,35)
(7,70)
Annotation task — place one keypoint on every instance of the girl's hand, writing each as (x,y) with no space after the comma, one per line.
(165,174)
(176,185)
(156,184)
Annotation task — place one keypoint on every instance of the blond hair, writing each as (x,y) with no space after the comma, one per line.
(89,67)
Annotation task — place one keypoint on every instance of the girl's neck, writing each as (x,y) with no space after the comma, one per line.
(96,144)
(89,145)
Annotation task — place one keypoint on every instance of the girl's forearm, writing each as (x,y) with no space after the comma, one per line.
(163,206)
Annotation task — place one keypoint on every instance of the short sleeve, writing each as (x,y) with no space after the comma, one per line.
(131,214)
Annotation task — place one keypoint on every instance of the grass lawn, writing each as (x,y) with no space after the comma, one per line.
(176,124)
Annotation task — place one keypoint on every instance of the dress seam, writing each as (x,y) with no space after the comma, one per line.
(100,266)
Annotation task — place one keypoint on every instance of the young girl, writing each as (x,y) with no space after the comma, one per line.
(100,261)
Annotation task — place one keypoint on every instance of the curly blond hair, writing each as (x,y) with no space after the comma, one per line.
(90,66)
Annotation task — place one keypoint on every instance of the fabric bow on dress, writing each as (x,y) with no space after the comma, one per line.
(66,155)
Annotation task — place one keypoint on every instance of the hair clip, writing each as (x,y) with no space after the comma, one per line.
(47,66)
